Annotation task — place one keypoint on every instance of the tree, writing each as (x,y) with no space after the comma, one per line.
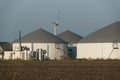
(6,46)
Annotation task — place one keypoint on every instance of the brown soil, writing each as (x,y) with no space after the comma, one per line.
(60,70)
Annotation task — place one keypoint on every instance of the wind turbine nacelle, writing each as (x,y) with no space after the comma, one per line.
(56,23)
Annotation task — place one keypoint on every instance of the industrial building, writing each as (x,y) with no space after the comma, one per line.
(72,39)
(101,44)
(39,44)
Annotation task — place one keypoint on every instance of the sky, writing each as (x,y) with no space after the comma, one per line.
(80,16)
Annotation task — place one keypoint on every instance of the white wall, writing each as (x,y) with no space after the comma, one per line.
(88,50)
(54,51)
(49,47)
(97,50)
(0,56)
(11,55)
(16,46)
(7,54)
(60,49)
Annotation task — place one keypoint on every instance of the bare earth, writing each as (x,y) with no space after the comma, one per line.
(60,70)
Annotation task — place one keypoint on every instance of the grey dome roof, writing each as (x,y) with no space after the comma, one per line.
(108,34)
(40,36)
(70,37)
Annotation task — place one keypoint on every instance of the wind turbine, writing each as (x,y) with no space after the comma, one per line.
(56,24)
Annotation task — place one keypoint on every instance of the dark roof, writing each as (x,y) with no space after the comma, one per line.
(109,33)
(40,36)
(70,37)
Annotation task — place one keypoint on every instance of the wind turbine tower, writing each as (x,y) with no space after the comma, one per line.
(56,24)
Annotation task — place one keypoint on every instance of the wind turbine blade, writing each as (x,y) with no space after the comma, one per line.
(58,17)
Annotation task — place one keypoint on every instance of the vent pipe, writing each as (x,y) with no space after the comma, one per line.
(20,40)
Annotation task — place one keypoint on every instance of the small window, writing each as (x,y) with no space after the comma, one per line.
(115,45)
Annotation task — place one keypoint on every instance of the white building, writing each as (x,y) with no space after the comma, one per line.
(72,40)
(104,43)
(39,44)
(1,51)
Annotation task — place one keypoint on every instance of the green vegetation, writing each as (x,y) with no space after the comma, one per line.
(60,70)
(6,46)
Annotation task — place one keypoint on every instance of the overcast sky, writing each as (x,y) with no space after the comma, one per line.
(79,16)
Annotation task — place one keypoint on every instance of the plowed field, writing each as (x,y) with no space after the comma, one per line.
(60,70)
